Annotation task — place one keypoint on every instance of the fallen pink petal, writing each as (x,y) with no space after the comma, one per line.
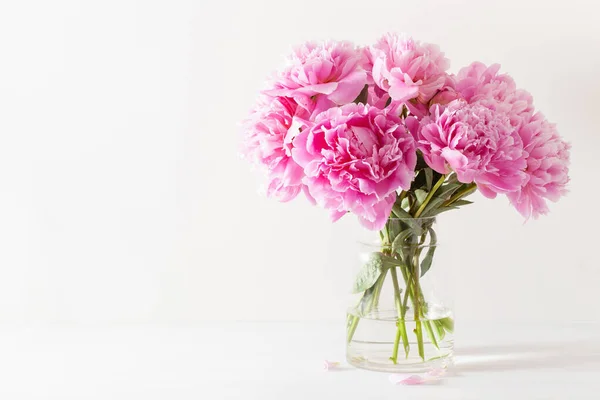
(329,365)
(406,379)
(413,379)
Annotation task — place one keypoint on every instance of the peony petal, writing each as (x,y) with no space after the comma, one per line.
(329,365)
(349,88)
(412,124)
(382,210)
(400,91)
(293,173)
(486,191)
(320,88)
(322,104)
(281,192)
(309,197)
(406,379)
(397,378)
(336,215)
(419,110)
(413,379)
(456,160)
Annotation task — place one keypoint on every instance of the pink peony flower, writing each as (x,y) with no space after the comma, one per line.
(408,69)
(483,85)
(322,75)
(268,144)
(355,157)
(547,167)
(478,144)
(447,93)
(414,379)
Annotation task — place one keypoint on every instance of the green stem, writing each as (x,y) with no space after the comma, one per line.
(416,303)
(406,271)
(352,324)
(384,235)
(413,291)
(430,195)
(378,287)
(401,325)
(409,288)
(407,293)
(430,333)
(429,329)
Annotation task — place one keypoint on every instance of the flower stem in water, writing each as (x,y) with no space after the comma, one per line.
(401,325)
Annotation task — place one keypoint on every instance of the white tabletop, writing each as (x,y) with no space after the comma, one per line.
(285,361)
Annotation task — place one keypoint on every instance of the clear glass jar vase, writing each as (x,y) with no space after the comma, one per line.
(402,321)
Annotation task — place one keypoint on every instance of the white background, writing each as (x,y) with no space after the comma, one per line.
(123,198)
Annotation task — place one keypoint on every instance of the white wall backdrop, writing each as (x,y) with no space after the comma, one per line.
(123,199)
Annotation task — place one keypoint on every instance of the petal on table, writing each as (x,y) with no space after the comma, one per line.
(406,379)
(329,365)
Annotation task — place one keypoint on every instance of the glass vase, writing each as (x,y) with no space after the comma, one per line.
(402,320)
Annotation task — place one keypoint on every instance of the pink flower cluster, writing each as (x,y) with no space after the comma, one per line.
(490,134)
(345,125)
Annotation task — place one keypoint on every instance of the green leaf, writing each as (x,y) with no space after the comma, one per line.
(420,194)
(369,273)
(407,219)
(459,203)
(389,262)
(440,210)
(393,229)
(439,327)
(404,204)
(427,260)
(371,270)
(452,178)
(399,212)
(433,204)
(448,324)
(366,302)
(428,178)
(448,190)
(398,242)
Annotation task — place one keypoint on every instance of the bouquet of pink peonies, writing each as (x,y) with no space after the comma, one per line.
(386,133)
